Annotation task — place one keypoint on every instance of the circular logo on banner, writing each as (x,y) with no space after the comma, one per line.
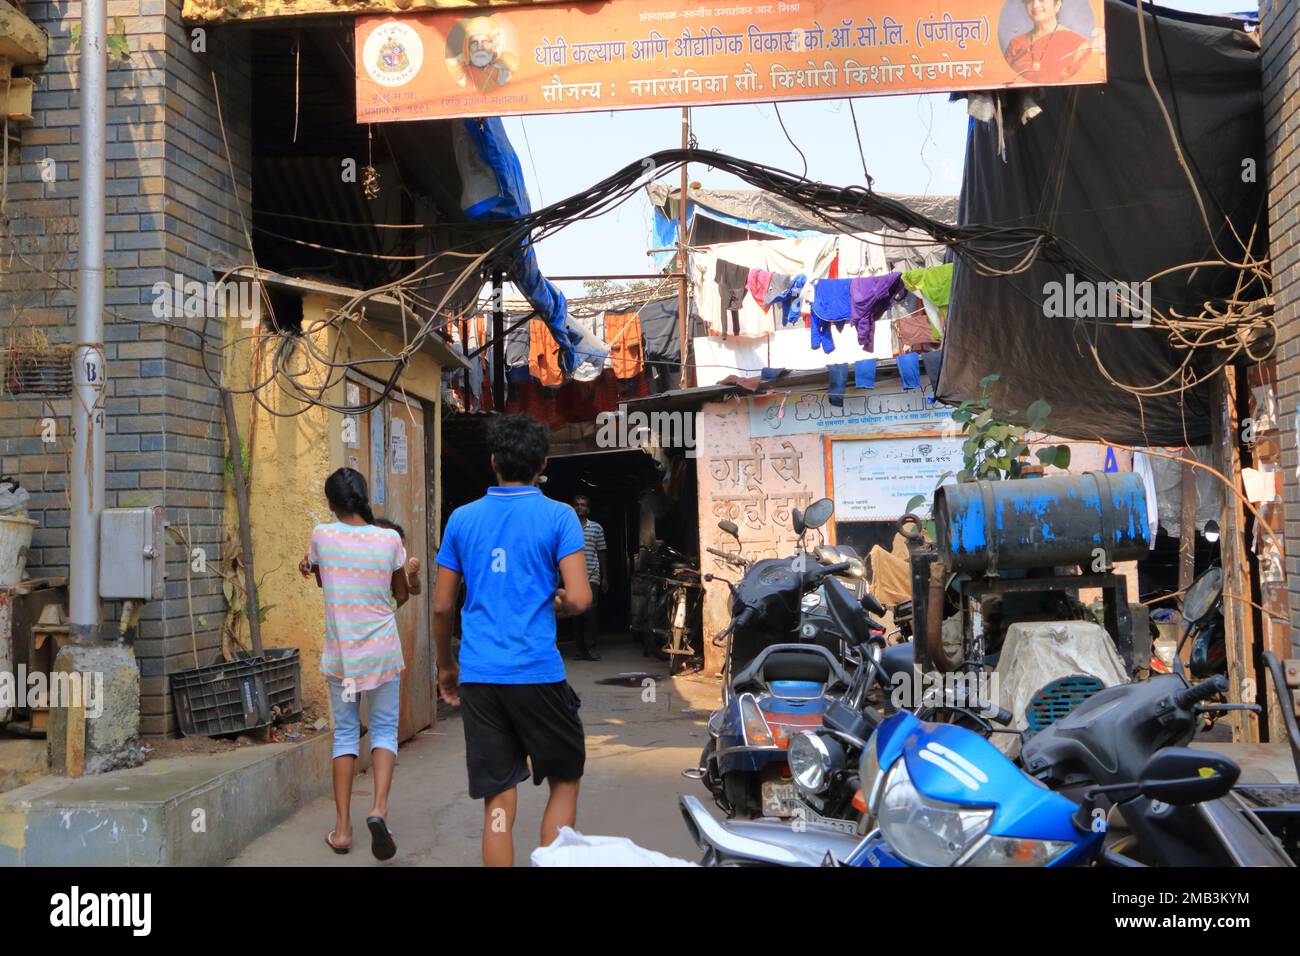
(393,53)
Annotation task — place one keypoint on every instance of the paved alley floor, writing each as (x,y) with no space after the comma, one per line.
(636,749)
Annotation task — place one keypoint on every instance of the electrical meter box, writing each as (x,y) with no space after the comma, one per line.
(133,553)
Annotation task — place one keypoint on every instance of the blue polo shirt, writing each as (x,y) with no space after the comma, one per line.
(508,546)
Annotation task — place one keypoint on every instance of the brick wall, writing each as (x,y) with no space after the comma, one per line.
(171,209)
(1281,71)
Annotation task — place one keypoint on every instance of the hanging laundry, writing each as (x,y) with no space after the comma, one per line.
(732,280)
(870,297)
(914,332)
(837,382)
(543,355)
(831,300)
(777,285)
(483,359)
(864,373)
(821,335)
(909,370)
(862,254)
(758,282)
(806,298)
(810,256)
(786,296)
(661,330)
(623,334)
(933,362)
(934,285)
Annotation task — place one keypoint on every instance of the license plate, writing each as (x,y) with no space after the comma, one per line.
(797,809)
(778,798)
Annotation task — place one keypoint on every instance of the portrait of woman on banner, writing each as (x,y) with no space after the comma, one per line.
(1050,41)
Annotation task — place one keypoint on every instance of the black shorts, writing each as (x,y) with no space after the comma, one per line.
(508,726)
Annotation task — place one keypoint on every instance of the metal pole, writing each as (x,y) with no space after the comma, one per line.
(683,307)
(498,343)
(88,370)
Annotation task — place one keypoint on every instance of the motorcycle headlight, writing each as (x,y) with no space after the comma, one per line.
(923,831)
(810,602)
(1014,851)
(813,759)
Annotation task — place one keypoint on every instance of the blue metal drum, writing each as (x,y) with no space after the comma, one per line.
(987,526)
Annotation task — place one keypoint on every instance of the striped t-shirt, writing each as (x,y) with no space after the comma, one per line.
(356,571)
(593,540)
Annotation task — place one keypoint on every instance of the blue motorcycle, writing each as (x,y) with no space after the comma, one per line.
(1112,784)
(942,795)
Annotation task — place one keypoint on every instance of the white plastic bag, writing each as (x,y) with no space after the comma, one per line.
(572,848)
(1035,653)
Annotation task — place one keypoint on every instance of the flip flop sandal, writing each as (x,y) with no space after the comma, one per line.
(329,841)
(381,839)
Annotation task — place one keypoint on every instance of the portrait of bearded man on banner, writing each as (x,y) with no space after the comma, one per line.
(481,61)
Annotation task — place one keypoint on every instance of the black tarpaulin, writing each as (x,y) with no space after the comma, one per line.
(1124,203)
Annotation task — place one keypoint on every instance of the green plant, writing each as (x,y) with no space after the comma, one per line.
(117,44)
(230,462)
(995,449)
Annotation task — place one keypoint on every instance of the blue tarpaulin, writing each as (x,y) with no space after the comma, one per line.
(488,135)
(664,230)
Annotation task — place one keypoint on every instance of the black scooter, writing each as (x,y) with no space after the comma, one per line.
(774,684)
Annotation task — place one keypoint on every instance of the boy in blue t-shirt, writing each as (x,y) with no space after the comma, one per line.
(517,706)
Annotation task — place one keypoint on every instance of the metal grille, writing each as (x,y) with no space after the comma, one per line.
(27,371)
(1057,699)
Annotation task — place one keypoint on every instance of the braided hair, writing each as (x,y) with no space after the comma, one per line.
(346,492)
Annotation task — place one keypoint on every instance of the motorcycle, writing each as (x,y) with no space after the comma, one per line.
(1203,620)
(666,605)
(774,684)
(1112,783)
(824,761)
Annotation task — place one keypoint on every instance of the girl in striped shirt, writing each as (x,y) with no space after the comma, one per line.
(362,571)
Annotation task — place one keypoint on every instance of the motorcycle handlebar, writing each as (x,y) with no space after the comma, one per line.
(1216,686)
(742,618)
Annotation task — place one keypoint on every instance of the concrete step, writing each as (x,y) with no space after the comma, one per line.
(184,811)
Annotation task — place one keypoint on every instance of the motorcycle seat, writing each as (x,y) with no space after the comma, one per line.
(798,662)
(796,667)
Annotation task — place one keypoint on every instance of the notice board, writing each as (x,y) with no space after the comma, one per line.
(874,478)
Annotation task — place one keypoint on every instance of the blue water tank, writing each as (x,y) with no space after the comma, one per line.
(1092,520)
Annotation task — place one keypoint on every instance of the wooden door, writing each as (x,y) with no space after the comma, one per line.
(390,453)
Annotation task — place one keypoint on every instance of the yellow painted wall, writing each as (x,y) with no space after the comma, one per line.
(290,458)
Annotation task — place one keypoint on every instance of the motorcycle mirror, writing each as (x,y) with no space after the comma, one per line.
(818,513)
(1182,775)
(797,522)
(1201,597)
(730,527)
(1211,531)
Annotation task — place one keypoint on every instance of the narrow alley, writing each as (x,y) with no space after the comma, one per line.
(636,749)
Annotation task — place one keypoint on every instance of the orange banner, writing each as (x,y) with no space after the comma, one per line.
(603,55)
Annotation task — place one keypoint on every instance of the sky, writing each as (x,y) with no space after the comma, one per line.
(912,145)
